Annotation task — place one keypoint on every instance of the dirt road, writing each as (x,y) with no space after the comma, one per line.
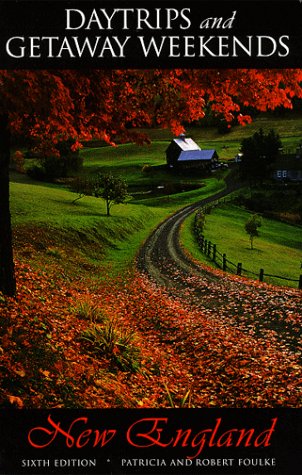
(266,311)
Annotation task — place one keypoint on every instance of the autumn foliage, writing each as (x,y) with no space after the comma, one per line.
(226,355)
(61,104)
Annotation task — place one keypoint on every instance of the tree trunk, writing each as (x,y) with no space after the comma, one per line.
(7,271)
(252,241)
(107,207)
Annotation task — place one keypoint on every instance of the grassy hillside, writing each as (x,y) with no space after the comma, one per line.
(277,250)
(48,226)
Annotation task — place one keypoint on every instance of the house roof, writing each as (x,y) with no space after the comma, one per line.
(186,144)
(288,162)
(192,155)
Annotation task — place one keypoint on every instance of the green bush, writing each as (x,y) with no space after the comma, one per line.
(146,169)
(112,342)
(36,172)
(87,310)
(200,220)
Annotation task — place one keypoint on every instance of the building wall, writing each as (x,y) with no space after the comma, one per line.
(292,175)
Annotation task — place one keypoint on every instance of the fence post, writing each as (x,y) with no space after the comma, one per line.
(214,252)
(239,268)
(300,282)
(209,248)
(261,275)
(201,240)
(224,263)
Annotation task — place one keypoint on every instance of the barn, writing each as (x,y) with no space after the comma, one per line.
(183,152)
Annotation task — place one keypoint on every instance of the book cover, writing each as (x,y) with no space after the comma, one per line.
(150,237)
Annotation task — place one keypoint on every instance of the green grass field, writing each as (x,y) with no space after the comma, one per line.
(277,249)
(44,212)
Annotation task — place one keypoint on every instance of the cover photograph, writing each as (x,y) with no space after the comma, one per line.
(150,237)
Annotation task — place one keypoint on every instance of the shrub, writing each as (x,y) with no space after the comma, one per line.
(117,345)
(36,172)
(58,161)
(18,159)
(200,219)
(87,310)
(146,169)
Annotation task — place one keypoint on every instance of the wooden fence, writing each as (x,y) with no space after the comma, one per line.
(220,259)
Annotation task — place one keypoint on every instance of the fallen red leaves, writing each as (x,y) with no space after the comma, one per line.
(230,344)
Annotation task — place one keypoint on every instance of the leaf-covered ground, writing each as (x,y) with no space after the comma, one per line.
(230,343)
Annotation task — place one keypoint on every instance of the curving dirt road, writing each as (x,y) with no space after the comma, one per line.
(265,310)
(162,252)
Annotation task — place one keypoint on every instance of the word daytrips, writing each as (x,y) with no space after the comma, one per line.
(149,432)
(128,18)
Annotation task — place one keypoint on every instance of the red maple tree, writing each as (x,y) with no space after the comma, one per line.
(56,105)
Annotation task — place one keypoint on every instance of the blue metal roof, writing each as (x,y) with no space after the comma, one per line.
(195,155)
